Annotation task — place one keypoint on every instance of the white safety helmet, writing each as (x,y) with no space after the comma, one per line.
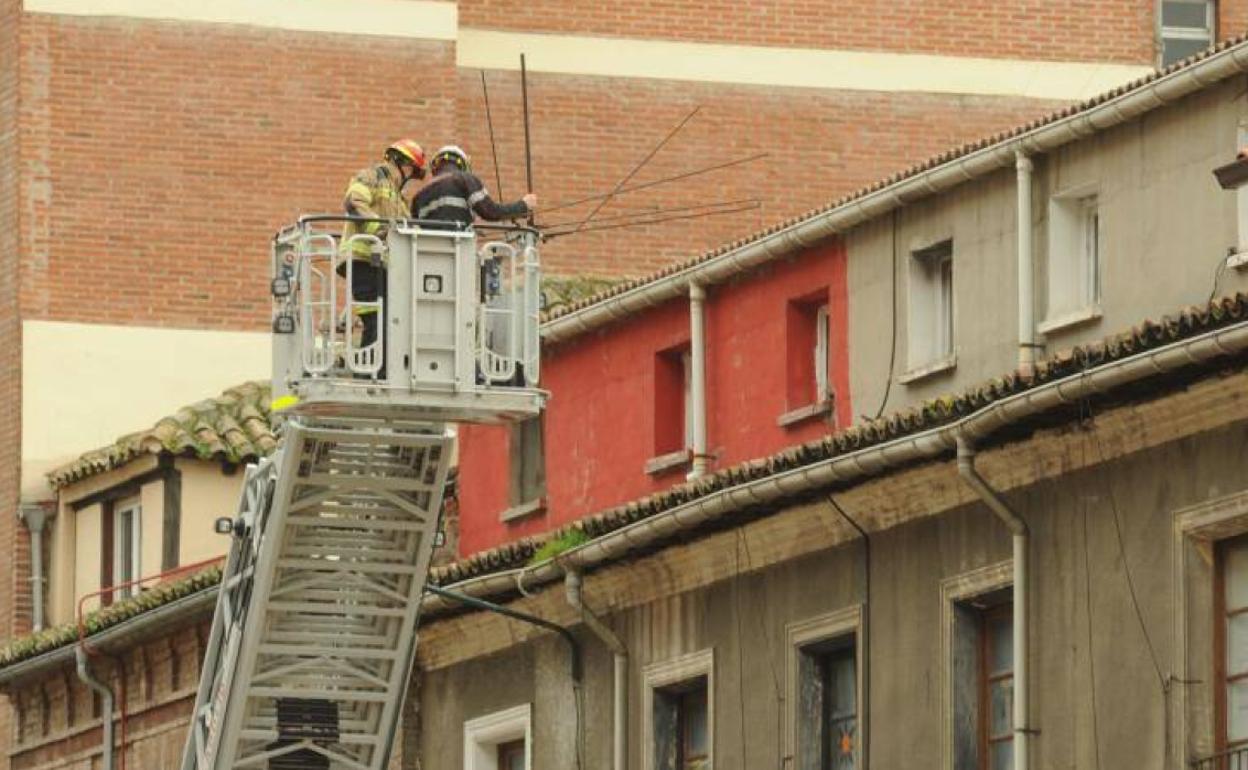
(449,154)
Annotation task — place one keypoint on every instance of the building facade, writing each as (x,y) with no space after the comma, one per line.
(903,298)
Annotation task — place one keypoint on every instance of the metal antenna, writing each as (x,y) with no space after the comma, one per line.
(638,167)
(528,148)
(489,122)
(657,182)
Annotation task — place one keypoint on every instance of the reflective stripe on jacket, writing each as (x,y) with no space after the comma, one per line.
(373,192)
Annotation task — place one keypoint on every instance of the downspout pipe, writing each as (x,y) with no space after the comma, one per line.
(697,337)
(35,517)
(1018,528)
(106,703)
(1026,267)
(619,735)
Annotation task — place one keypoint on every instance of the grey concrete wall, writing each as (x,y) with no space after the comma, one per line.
(1087,638)
(1165,225)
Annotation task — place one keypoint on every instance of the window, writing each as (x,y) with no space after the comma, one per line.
(807,352)
(127,546)
(512,756)
(528,465)
(977,629)
(931,305)
(823,691)
(1232,639)
(499,741)
(1074,260)
(682,728)
(996,691)
(678,717)
(1186,29)
(673,410)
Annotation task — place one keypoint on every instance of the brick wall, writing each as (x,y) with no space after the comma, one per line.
(589,132)
(58,722)
(165,155)
(1232,18)
(10,337)
(1107,30)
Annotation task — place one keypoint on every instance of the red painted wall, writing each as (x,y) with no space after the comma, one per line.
(601,423)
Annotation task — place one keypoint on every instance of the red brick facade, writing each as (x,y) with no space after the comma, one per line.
(1108,30)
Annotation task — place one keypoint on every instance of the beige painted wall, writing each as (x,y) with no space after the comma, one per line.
(86,565)
(207,494)
(1165,224)
(136,376)
(1084,626)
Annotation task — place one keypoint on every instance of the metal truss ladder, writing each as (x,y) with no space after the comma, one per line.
(312,643)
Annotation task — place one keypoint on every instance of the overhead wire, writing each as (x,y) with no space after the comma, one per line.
(655,183)
(656,211)
(655,221)
(639,166)
(892,355)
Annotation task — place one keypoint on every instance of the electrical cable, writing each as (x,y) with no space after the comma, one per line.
(1087,609)
(1122,553)
(892,355)
(639,166)
(656,182)
(1217,275)
(741,542)
(659,220)
(864,719)
(655,211)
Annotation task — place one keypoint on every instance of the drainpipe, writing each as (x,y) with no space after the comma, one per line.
(1018,528)
(1026,280)
(35,516)
(106,704)
(697,336)
(619,744)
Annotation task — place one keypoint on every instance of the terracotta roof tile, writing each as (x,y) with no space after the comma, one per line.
(232,427)
(914,170)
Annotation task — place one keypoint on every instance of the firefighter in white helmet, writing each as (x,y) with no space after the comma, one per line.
(455,194)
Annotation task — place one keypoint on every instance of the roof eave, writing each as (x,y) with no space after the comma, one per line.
(1127,106)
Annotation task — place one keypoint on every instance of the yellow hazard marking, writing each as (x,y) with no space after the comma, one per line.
(283,402)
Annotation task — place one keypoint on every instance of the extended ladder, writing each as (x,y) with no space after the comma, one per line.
(313,640)
(314,636)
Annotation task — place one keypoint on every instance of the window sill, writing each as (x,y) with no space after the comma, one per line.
(1239,259)
(804,413)
(670,461)
(1076,318)
(928,370)
(524,510)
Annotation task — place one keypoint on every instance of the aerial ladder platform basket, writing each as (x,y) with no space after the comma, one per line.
(314,636)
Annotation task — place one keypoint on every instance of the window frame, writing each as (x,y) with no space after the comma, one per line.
(822,354)
(483,735)
(527,487)
(957,593)
(931,329)
(661,679)
(1223,678)
(987,678)
(805,637)
(1074,260)
(1208,34)
(131,508)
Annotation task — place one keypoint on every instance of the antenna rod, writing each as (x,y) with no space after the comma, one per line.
(524,95)
(489,122)
(638,167)
(657,182)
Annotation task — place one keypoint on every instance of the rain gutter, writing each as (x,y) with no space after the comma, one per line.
(1164,90)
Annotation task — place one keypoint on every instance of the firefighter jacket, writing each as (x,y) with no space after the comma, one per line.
(454,196)
(374,192)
